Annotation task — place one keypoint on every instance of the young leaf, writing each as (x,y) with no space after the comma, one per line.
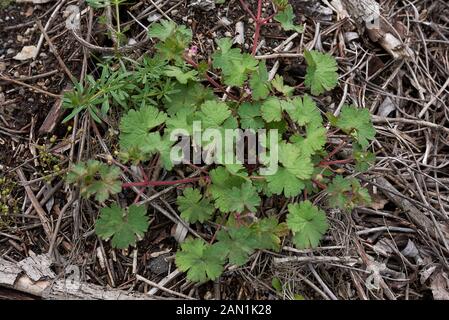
(187,97)
(194,207)
(162,30)
(123,228)
(363,159)
(174,40)
(237,199)
(308,224)
(272,109)
(250,116)
(278,84)
(357,123)
(321,72)
(259,83)
(182,76)
(201,261)
(213,114)
(284,182)
(347,193)
(234,65)
(305,112)
(266,233)
(135,126)
(314,141)
(96,178)
(291,158)
(285,17)
(235,244)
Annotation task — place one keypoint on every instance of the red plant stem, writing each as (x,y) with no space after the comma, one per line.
(259,9)
(246,7)
(265,20)
(141,190)
(211,80)
(161,183)
(256,38)
(259,22)
(319,184)
(337,149)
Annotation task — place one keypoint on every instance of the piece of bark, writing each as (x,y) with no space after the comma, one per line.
(52,118)
(366,14)
(18,278)
(312,8)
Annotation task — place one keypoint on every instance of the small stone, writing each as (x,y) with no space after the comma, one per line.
(10,51)
(228,34)
(154,17)
(16,74)
(159,265)
(27,52)
(2,66)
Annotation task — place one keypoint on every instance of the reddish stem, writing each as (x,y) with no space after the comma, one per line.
(319,184)
(337,149)
(211,80)
(246,7)
(161,183)
(265,20)
(256,39)
(258,21)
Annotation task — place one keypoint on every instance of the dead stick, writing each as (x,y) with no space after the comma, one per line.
(20,83)
(37,206)
(55,52)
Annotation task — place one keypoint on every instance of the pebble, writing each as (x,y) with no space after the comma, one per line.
(2,66)
(16,74)
(10,51)
(159,265)
(228,34)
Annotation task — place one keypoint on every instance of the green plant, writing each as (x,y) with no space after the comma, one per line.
(123,226)
(232,195)
(8,203)
(95,178)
